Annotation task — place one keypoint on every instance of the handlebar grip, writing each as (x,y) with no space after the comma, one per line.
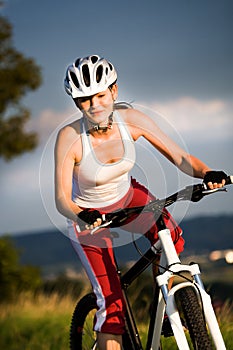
(229,180)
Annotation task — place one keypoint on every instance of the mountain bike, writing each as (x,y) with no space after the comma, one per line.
(187,304)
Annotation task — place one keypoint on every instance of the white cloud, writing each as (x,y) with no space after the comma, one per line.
(198,118)
(186,116)
(48,121)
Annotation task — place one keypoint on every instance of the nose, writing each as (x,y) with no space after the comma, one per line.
(94,101)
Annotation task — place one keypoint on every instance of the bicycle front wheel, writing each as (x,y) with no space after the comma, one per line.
(191,311)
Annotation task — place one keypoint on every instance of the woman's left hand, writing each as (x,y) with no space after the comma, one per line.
(215,179)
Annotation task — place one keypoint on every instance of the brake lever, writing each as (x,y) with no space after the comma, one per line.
(221,189)
(104,224)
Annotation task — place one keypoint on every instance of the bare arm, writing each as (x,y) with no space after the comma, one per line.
(64,164)
(142,125)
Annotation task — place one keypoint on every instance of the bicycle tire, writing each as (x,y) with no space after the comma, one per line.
(82,335)
(188,304)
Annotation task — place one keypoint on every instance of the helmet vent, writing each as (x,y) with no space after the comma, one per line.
(94,59)
(86,75)
(110,66)
(74,79)
(99,73)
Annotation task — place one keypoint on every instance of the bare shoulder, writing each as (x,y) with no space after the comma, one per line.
(69,132)
(134,116)
(68,142)
(136,121)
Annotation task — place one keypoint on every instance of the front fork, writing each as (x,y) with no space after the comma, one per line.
(167,303)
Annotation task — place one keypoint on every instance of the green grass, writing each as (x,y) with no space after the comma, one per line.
(225,318)
(42,323)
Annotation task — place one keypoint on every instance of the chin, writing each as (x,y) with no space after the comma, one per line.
(99,117)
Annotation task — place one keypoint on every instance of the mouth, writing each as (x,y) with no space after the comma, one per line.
(97,112)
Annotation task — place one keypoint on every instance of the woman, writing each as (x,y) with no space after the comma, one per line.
(93,158)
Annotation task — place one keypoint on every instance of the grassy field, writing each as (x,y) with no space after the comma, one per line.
(42,323)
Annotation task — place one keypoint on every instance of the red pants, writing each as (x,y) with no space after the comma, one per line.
(96,255)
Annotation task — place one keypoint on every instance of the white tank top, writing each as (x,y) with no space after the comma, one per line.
(97,184)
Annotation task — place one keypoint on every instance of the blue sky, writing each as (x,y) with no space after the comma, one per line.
(174,60)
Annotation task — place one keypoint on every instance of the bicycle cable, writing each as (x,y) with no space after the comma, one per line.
(165,214)
(175,227)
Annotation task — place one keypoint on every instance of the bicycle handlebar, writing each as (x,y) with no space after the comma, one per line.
(193,193)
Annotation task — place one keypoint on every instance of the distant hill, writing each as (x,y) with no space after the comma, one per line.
(51,250)
(208,233)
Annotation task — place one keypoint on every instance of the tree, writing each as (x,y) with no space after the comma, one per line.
(14,277)
(18,76)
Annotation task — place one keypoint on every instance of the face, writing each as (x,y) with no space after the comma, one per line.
(98,107)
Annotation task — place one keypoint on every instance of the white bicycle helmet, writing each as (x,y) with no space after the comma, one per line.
(88,76)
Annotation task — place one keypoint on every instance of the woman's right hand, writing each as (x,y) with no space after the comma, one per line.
(88,219)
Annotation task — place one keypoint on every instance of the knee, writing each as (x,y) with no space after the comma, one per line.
(110,317)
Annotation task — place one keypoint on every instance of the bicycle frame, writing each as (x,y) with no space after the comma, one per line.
(165,298)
